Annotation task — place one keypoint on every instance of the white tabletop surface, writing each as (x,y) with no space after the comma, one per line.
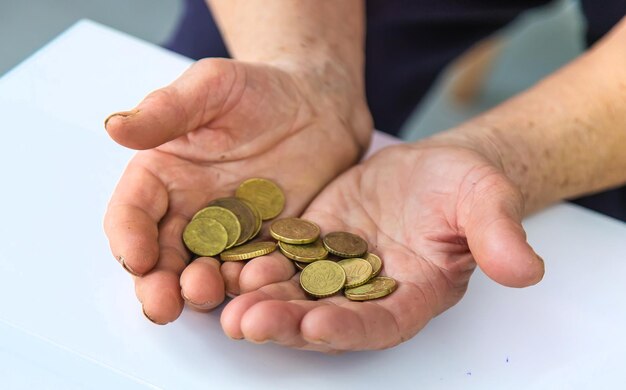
(69,317)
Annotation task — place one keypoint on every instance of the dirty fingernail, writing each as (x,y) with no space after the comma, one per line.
(143,310)
(205,305)
(122,261)
(123,114)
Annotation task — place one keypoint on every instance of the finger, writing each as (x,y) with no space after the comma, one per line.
(376,324)
(159,291)
(202,284)
(207,88)
(230,271)
(278,313)
(265,270)
(497,239)
(159,295)
(351,326)
(234,310)
(130,223)
(282,326)
(336,324)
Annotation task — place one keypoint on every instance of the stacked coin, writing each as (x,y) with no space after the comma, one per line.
(338,261)
(352,268)
(227,224)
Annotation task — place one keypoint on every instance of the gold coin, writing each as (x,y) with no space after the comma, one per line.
(205,236)
(257,218)
(248,251)
(264,194)
(306,253)
(294,231)
(358,271)
(225,217)
(375,261)
(345,244)
(244,214)
(322,278)
(378,287)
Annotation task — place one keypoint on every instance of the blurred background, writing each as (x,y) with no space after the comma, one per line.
(25,26)
(535,44)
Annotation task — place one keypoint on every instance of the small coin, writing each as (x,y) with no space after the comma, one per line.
(264,194)
(345,244)
(375,261)
(322,278)
(378,287)
(226,218)
(306,253)
(358,271)
(248,251)
(244,214)
(257,218)
(205,236)
(294,231)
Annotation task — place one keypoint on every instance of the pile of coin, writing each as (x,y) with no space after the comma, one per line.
(338,261)
(227,224)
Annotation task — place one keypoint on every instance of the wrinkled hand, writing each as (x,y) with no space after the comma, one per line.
(220,123)
(432,212)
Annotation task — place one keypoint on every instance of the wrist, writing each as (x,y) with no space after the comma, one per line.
(504,154)
(475,138)
(320,43)
(333,89)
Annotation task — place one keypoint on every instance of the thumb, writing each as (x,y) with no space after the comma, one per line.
(497,239)
(198,96)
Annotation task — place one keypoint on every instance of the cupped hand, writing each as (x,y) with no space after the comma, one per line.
(431,211)
(220,123)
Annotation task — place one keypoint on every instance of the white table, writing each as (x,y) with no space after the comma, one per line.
(69,318)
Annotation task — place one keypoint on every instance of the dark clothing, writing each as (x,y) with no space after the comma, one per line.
(197,35)
(408,43)
(601,16)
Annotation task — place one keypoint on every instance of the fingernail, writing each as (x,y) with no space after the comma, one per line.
(543,268)
(234,338)
(319,342)
(148,317)
(122,261)
(205,305)
(123,114)
(259,341)
(231,295)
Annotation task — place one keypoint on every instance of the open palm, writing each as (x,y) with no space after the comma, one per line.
(431,213)
(220,123)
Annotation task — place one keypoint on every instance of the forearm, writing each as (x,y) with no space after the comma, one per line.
(320,42)
(567,135)
(326,36)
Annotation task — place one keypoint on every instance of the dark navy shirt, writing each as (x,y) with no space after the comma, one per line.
(408,43)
